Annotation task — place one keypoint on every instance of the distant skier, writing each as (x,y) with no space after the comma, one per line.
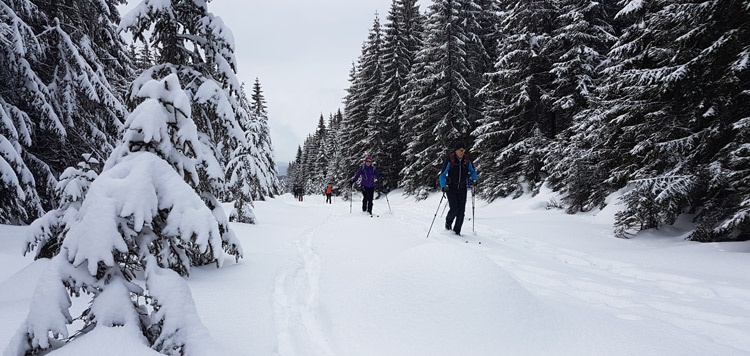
(299,191)
(457,174)
(368,176)
(329,191)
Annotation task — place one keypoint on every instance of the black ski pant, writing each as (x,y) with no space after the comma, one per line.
(457,203)
(328,198)
(367,195)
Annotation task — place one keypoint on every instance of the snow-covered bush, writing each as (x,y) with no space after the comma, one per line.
(141,225)
(46,233)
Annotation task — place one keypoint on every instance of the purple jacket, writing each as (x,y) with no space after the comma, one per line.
(368,174)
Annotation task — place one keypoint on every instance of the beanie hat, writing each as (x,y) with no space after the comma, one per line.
(458,145)
(368,159)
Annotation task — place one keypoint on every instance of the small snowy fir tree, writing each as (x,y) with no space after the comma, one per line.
(139,228)
(268,176)
(46,233)
(243,172)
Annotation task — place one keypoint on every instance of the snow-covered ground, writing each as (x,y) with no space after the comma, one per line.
(319,280)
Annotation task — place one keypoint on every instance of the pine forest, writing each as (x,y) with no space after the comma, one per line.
(650,98)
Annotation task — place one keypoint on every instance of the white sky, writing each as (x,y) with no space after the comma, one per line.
(301,51)
(541,282)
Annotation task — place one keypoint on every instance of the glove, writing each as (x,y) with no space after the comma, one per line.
(444,189)
(376,180)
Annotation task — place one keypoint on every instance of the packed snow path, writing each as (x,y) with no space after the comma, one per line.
(539,282)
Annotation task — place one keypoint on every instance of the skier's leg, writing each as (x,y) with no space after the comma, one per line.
(460,210)
(364,199)
(370,196)
(451,195)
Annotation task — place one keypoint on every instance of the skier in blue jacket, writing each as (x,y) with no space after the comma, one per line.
(368,176)
(457,174)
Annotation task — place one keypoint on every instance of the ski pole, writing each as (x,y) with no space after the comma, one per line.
(472,208)
(389,203)
(351,197)
(443,213)
(433,218)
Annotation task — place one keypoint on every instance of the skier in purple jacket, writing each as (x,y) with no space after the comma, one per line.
(368,176)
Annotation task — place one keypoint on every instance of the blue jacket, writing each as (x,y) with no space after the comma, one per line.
(457,175)
(368,174)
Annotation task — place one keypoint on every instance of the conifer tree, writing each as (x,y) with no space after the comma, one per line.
(439,97)
(362,129)
(517,117)
(242,171)
(352,128)
(580,43)
(141,221)
(402,39)
(336,171)
(672,74)
(64,69)
(195,45)
(20,86)
(294,172)
(268,175)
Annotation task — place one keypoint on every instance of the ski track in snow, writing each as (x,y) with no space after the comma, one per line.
(673,305)
(296,302)
(627,290)
(544,274)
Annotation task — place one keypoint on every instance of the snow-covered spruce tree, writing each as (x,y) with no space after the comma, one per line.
(668,112)
(20,86)
(311,153)
(438,96)
(63,70)
(579,46)
(402,39)
(517,116)
(362,131)
(294,172)
(140,215)
(87,70)
(196,45)
(47,233)
(335,172)
(268,175)
(251,172)
(243,185)
(314,160)
(353,129)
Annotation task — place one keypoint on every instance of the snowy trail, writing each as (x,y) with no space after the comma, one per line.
(296,299)
(627,290)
